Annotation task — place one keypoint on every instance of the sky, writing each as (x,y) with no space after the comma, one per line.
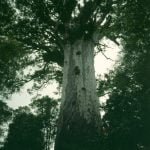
(102,65)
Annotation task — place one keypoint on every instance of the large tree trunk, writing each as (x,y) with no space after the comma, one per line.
(79,120)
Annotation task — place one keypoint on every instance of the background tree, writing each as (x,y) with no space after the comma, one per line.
(126,123)
(32,128)
(5,116)
(47,109)
(24,132)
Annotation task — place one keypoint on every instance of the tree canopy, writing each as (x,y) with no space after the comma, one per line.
(43,28)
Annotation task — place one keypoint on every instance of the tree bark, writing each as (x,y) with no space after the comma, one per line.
(79,120)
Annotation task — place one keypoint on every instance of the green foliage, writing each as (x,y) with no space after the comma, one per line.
(5,116)
(25,133)
(16,62)
(5,112)
(43,27)
(47,110)
(126,124)
(32,128)
(6,15)
(11,63)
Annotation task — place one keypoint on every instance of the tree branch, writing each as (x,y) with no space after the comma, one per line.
(100,50)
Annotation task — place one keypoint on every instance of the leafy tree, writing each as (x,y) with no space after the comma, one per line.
(24,133)
(126,123)
(5,116)
(33,128)
(47,110)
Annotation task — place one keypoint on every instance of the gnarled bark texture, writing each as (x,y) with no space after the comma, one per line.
(79,122)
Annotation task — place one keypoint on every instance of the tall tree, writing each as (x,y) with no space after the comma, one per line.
(66,32)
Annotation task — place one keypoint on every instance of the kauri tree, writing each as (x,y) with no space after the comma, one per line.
(65,32)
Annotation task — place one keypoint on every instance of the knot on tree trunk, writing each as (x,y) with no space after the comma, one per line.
(77,70)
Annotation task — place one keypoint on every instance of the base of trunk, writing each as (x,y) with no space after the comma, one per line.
(84,137)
